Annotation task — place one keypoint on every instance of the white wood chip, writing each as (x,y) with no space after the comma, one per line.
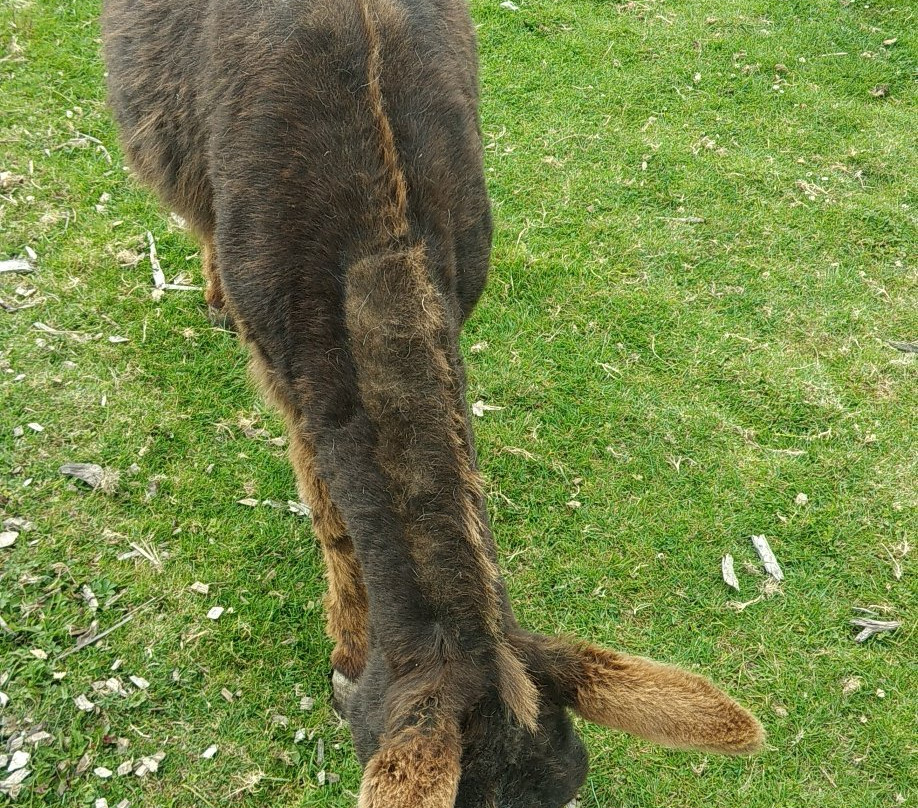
(299,736)
(125,768)
(101,771)
(17,523)
(90,598)
(208,753)
(768,557)
(215,612)
(139,682)
(307,703)
(39,737)
(116,340)
(870,627)
(35,427)
(124,804)
(801,499)
(16,265)
(479,408)
(729,575)
(19,760)
(248,501)
(4,699)
(15,779)
(38,653)
(101,803)
(90,473)
(159,279)
(148,765)
(8,538)
(84,704)
(299,508)
(201,589)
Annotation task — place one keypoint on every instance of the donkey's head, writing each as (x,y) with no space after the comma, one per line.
(466,749)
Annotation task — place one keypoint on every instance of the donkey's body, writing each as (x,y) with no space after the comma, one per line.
(328,156)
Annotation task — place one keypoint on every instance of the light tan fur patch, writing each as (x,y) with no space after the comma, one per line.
(662,703)
(416,769)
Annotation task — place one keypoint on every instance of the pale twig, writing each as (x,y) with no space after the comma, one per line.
(871,627)
(102,634)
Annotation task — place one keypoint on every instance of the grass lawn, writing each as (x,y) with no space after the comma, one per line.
(706,240)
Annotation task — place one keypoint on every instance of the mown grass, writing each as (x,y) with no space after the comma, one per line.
(706,238)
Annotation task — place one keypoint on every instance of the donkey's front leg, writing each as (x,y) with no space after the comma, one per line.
(346,602)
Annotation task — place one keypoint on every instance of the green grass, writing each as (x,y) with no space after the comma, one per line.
(682,380)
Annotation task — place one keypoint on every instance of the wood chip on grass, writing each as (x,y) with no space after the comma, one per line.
(772,567)
(84,704)
(728,573)
(479,408)
(16,265)
(19,760)
(92,603)
(93,475)
(870,627)
(159,277)
(149,765)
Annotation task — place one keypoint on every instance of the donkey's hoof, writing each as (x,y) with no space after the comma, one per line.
(343,690)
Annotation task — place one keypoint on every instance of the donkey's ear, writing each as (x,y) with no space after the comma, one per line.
(417,768)
(659,702)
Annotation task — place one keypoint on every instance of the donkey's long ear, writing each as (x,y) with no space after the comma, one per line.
(658,702)
(417,768)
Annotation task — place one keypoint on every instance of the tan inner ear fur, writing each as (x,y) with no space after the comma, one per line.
(661,703)
(418,768)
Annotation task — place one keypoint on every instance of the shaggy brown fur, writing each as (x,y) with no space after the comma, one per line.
(419,768)
(328,156)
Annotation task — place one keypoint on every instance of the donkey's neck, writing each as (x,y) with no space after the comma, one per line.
(410,380)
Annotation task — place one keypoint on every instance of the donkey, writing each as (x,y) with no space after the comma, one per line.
(327,155)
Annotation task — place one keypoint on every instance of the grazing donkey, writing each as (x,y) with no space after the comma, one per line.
(327,155)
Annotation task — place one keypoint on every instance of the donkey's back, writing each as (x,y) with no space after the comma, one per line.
(301,127)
